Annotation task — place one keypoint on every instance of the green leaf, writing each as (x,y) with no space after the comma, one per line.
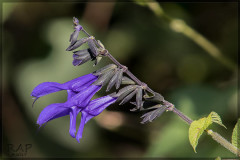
(236,134)
(216,119)
(197,127)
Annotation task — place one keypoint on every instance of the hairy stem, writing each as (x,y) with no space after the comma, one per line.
(171,107)
(218,138)
(181,115)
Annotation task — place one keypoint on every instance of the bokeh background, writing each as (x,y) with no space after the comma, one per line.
(35,36)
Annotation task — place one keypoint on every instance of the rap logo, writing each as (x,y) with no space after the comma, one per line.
(18,150)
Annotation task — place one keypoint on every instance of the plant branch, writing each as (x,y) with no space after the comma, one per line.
(134,78)
(218,138)
(170,106)
(129,73)
(180,26)
(183,116)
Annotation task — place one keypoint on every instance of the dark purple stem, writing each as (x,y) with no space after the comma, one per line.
(181,115)
(170,105)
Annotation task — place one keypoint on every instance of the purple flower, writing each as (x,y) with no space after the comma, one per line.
(74,86)
(80,91)
(80,102)
(94,108)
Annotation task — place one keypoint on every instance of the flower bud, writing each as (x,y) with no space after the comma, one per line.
(125,91)
(104,69)
(128,97)
(80,57)
(150,116)
(139,97)
(73,37)
(112,81)
(77,44)
(92,46)
(126,80)
(104,78)
(119,78)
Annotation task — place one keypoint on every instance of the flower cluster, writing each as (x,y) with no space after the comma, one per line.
(81,90)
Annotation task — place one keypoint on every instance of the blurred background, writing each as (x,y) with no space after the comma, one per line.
(35,36)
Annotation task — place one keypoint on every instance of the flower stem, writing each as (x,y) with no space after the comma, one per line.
(181,115)
(129,73)
(171,107)
(218,138)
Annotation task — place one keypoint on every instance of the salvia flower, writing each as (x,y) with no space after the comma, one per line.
(94,108)
(80,91)
(74,86)
(71,107)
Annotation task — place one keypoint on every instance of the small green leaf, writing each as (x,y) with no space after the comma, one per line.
(208,121)
(236,134)
(197,127)
(216,119)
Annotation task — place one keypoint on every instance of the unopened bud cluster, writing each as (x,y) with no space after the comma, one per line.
(113,75)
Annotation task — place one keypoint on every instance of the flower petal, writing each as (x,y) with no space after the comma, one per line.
(81,126)
(82,98)
(46,88)
(72,93)
(73,116)
(80,83)
(76,84)
(96,106)
(52,111)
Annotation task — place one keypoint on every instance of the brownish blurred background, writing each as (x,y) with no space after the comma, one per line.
(35,36)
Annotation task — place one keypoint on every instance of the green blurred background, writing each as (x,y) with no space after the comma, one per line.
(35,36)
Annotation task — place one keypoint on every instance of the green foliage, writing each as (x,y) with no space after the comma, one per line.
(216,119)
(197,127)
(236,134)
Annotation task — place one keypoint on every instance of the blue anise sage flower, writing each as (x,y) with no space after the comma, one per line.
(73,86)
(79,102)
(80,91)
(94,108)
